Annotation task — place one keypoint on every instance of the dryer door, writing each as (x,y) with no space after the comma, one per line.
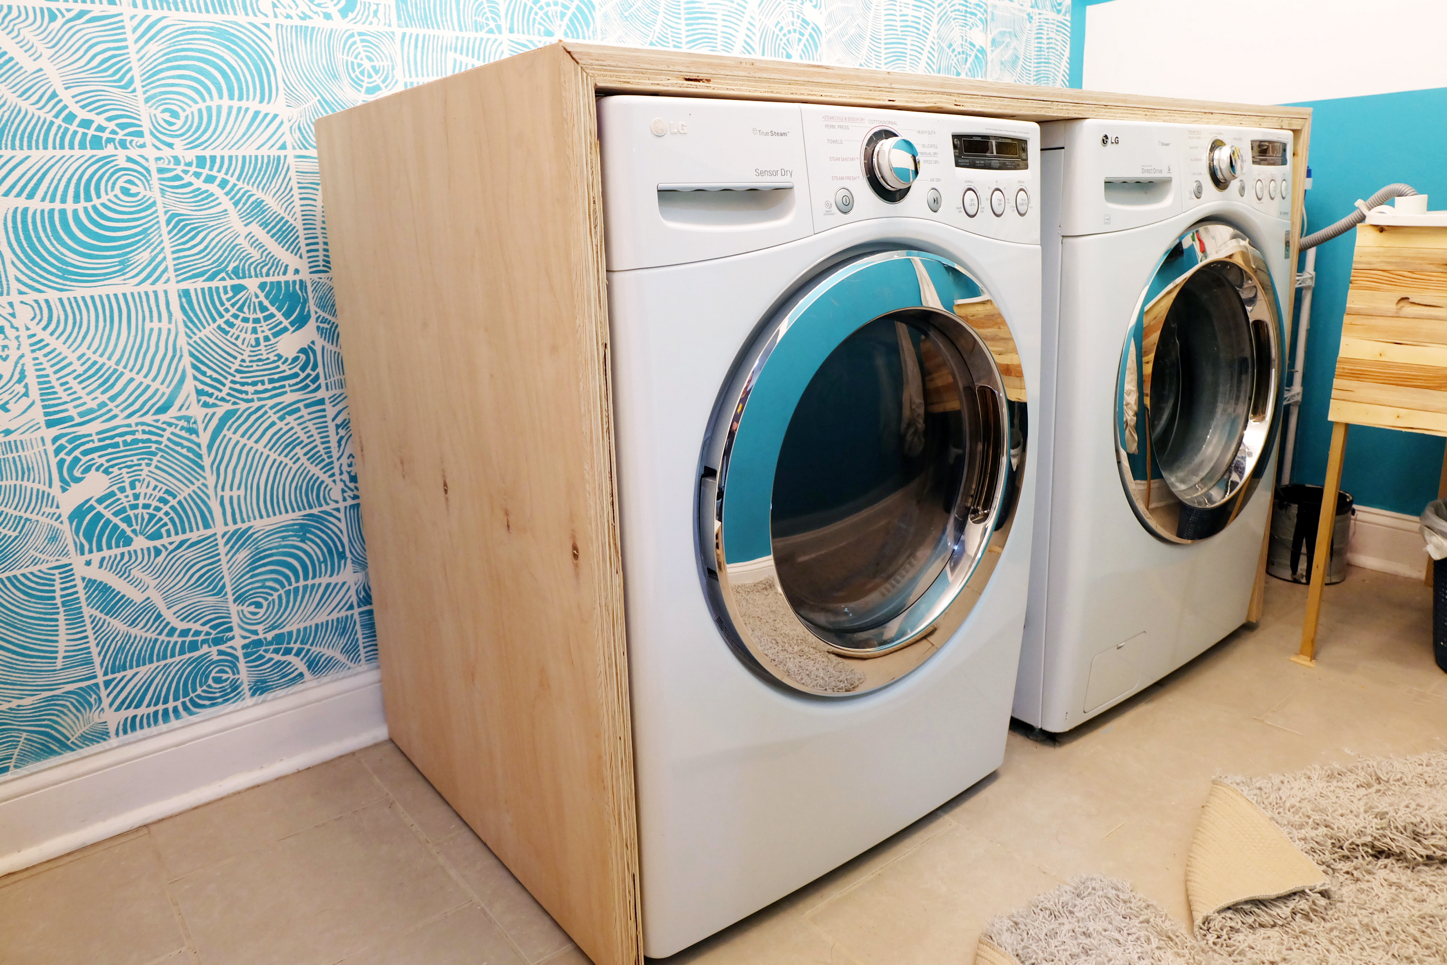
(862,465)
(1199,376)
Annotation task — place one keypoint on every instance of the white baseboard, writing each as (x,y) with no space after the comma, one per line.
(54,810)
(1388,542)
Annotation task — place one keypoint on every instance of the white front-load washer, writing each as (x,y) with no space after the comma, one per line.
(825,340)
(1166,284)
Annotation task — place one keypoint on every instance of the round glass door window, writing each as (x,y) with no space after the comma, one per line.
(1196,399)
(863,462)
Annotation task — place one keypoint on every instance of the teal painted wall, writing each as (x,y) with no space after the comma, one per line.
(1359,144)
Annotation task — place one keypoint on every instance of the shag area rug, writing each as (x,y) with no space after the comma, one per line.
(1336,864)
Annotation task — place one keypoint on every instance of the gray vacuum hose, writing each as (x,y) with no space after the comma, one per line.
(1358,216)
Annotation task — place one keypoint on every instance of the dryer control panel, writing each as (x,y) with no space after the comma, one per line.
(981,175)
(690,179)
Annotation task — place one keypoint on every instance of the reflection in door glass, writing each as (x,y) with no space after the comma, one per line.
(1202,385)
(869,475)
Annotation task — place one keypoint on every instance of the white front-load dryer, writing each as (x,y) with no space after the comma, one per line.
(825,346)
(1166,286)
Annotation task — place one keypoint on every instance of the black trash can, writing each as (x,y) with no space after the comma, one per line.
(1439,612)
(1294,522)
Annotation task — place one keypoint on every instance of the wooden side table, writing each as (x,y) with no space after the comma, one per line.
(1391,370)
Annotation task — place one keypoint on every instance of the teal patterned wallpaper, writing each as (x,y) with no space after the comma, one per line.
(179,525)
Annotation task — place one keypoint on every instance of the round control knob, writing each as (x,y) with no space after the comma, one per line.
(933,199)
(997,202)
(1271,190)
(1260,190)
(1197,189)
(1022,202)
(1223,163)
(896,163)
(971,202)
(844,200)
(1284,190)
(1241,187)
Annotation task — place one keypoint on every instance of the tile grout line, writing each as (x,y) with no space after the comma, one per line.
(15,877)
(434,919)
(172,900)
(285,837)
(447,865)
(833,943)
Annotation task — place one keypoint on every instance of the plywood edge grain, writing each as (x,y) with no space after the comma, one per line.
(638,70)
(613,667)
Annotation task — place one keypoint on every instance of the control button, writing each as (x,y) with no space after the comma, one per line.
(1022,201)
(1260,190)
(1197,189)
(1241,187)
(971,202)
(933,199)
(997,202)
(1285,191)
(844,200)
(1271,189)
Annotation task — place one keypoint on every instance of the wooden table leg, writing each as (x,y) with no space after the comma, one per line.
(1325,529)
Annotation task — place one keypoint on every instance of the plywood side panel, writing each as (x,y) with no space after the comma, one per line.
(466,241)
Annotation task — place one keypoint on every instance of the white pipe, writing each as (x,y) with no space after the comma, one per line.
(1293,392)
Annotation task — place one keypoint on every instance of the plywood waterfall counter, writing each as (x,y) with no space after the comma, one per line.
(465,223)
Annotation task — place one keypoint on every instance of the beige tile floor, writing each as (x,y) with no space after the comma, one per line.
(359,861)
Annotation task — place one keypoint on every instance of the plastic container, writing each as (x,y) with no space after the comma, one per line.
(1439,612)
(1293,534)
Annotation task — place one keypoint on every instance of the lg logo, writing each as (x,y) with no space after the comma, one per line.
(660,127)
(1106,140)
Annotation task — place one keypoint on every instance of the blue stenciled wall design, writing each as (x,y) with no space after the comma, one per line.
(179,525)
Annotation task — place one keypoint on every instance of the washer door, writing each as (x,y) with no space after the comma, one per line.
(1196,399)
(862,465)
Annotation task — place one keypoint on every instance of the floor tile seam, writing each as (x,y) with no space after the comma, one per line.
(274,842)
(285,777)
(378,777)
(335,817)
(559,953)
(411,930)
(924,839)
(175,904)
(459,880)
(54,864)
(852,958)
(1056,876)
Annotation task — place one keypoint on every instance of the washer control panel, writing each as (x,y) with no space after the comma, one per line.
(1250,167)
(979,174)
(1125,174)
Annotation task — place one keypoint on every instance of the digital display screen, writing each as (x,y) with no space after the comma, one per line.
(991,152)
(1269,152)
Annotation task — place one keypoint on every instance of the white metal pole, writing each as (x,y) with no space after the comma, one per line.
(1307,281)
